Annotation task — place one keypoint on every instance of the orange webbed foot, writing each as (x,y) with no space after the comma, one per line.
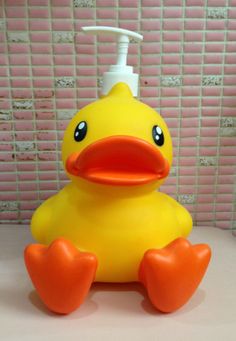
(172,274)
(60,273)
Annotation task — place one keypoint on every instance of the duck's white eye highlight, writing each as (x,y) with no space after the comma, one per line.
(81,125)
(158,130)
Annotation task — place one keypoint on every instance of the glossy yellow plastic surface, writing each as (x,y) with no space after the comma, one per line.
(117,223)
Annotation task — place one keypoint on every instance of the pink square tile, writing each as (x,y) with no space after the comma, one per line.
(171,70)
(172,36)
(128,14)
(213,59)
(191,91)
(188,142)
(23,115)
(106,14)
(3,72)
(23,59)
(5,104)
(64,60)
(111,3)
(65,93)
(232,13)
(190,102)
(151,13)
(65,104)
(229,101)
(190,123)
(41,13)
(149,71)
(17,24)
(152,25)
(154,103)
(173,3)
(87,82)
(193,36)
(195,2)
(20,83)
(151,36)
(172,13)
(170,25)
(193,59)
(85,60)
(86,93)
(62,25)
(106,49)
(229,80)
(229,70)
(43,83)
(211,102)
(45,115)
(215,36)
(22,93)
(151,3)
(195,12)
(84,13)
(6,216)
(41,49)
(217,3)
(43,104)
(231,35)
(15,12)
(209,132)
(39,25)
(13,2)
(130,3)
(170,102)
(212,70)
(170,92)
(44,37)
(3,60)
(171,48)
(18,48)
(148,59)
(149,92)
(38,2)
(194,25)
(41,60)
(42,71)
(24,126)
(4,82)
(86,71)
(63,71)
(61,12)
(231,24)
(189,80)
(216,25)
(171,59)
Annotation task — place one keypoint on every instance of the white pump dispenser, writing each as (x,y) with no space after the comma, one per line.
(119,72)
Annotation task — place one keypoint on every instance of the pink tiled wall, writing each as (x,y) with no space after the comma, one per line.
(187,64)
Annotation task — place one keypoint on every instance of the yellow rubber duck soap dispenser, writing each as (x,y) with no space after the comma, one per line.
(110,224)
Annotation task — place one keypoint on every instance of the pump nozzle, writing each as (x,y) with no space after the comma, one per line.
(119,72)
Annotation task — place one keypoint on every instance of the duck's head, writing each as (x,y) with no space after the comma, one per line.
(117,141)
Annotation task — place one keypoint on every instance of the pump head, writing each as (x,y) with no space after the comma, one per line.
(120,72)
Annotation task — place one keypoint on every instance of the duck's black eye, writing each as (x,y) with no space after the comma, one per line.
(80,131)
(158,135)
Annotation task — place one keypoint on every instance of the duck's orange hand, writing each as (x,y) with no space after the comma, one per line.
(172,274)
(60,273)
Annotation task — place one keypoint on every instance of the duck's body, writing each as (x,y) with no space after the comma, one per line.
(117,229)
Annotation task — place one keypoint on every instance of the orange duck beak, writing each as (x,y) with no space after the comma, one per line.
(120,161)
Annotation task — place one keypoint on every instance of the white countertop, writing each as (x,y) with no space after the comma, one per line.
(119,312)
